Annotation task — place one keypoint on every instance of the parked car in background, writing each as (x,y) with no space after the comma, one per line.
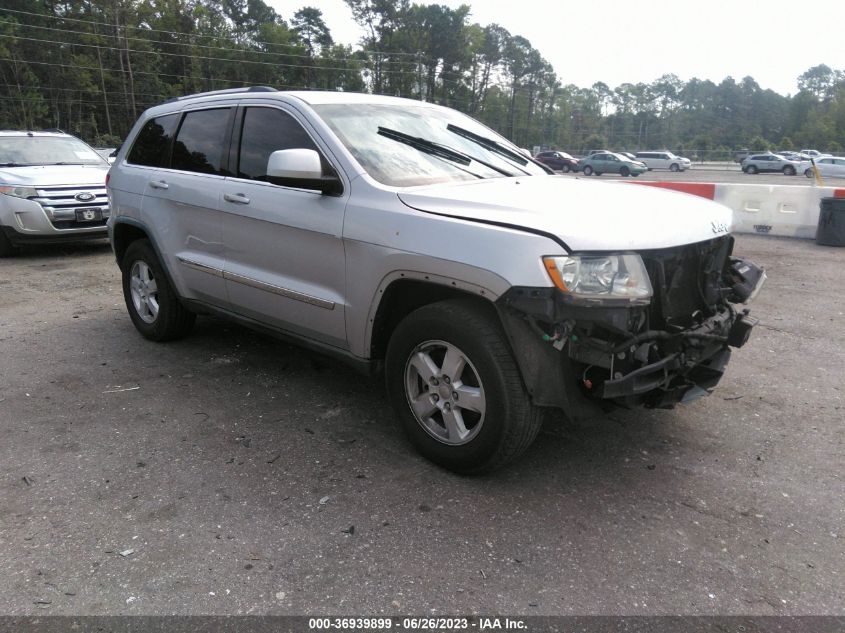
(768,162)
(596,151)
(559,161)
(52,190)
(405,237)
(627,155)
(812,153)
(663,160)
(611,163)
(741,154)
(828,166)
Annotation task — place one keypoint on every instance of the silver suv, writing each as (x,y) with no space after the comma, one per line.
(766,162)
(53,190)
(406,237)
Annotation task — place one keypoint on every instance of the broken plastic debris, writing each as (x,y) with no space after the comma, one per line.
(127,552)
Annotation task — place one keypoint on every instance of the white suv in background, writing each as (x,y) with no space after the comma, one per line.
(664,160)
(52,190)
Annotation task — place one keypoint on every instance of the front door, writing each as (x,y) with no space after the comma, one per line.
(285,263)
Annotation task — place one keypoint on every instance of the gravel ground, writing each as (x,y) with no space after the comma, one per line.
(224,474)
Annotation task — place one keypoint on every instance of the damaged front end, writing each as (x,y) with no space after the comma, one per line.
(653,328)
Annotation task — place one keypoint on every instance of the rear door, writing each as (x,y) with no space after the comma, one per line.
(182,201)
(285,263)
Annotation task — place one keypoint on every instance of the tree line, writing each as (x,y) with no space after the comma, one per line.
(91,67)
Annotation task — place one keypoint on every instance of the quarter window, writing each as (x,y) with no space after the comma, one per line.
(264,131)
(153,143)
(200,141)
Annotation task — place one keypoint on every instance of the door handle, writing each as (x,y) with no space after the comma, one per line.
(158,184)
(237,198)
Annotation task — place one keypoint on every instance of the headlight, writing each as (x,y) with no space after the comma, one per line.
(601,278)
(18,192)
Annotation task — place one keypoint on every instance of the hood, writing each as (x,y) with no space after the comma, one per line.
(586,215)
(48,175)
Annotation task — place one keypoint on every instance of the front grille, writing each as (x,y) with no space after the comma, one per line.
(686,281)
(65,211)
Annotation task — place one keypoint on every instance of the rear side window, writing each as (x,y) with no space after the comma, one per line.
(199,144)
(264,131)
(153,142)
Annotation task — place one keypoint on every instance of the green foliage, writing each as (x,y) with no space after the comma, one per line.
(92,67)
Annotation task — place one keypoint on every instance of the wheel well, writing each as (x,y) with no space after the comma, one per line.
(402,297)
(123,235)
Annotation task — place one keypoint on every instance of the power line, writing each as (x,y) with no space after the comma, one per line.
(152,30)
(185,55)
(205,46)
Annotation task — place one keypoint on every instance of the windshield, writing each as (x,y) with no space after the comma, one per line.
(46,150)
(403,164)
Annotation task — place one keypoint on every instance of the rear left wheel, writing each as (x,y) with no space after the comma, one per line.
(456,388)
(152,303)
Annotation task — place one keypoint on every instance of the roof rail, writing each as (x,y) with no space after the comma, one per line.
(223,92)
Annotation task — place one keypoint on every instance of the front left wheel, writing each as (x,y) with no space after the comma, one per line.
(6,247)
(152,303)
(456,388)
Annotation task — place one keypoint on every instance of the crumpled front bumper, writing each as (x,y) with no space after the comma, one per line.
(632,355)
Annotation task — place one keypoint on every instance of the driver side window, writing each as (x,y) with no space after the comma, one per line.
(264,131)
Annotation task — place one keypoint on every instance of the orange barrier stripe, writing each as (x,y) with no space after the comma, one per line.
(703,189)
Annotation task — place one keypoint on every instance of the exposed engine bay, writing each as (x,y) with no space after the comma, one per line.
(671,349)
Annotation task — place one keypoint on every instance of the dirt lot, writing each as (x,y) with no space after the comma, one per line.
(224,474)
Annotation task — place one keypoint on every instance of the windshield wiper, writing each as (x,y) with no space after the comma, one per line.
(16,164)
(436,149)
(69,163)
(493,146)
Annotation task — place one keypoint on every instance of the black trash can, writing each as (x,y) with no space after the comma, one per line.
(831,231)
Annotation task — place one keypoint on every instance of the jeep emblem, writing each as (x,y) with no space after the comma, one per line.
(719,227)
(84,196)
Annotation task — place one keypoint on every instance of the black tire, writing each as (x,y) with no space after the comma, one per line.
(674,167)
(510,422)
(751,169)
(6,247)
(808,173)
(598,173)
(789,170)
(565,169)
(588,171)
(624,172)
(172,320)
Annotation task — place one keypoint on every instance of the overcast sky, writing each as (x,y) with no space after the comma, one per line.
(638,40)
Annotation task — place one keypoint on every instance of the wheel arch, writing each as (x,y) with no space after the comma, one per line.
(402,292)
(124,232)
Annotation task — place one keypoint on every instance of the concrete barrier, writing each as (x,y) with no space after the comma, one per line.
(784,210)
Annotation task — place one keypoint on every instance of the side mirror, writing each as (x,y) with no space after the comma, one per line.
(301,168)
